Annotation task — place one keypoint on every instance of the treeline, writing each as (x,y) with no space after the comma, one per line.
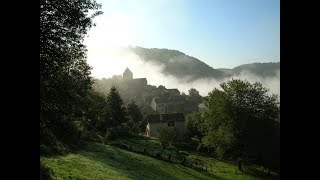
(241,123)
(100,119)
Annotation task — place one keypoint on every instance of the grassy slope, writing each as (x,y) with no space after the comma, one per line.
(220,168)
(98,161)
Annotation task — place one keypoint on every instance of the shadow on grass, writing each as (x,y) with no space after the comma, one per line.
(131,165)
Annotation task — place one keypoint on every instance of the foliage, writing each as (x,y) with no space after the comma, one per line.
(134,112)
(135,117)
(194,125)
(96,113)
(111,134)
(195,96)
(45,172)
(117,114)
(117,111)
(64,73)
(165,136)
(239,122)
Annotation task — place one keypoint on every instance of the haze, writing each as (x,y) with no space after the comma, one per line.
(221,33)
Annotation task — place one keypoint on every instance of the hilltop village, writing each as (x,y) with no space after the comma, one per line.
(151,99)
(161,107)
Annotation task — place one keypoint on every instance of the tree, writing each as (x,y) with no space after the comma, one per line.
(135,117)
(194,95)
(95,116)
(165,137)
(194,123)
(240,122)
(117,113)
(193,92)
(64,73)
(134,112)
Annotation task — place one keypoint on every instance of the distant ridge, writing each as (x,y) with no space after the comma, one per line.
(180,65)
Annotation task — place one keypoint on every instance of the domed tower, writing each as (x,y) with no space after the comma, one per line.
(127,74)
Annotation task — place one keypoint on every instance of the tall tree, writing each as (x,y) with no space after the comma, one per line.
(117,113)
(134,111)
(95,115)
(194,95)
(135,117)
(64,73)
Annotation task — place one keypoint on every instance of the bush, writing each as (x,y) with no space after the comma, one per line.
(111,134)
(45,150)
(45,172)
(98,138)
(54,147)
(60,148)
(165,137)
(92,136)
(123,132)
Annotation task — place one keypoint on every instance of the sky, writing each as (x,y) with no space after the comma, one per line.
(221,33)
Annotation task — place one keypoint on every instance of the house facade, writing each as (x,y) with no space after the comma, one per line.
(174,121)
(160,104)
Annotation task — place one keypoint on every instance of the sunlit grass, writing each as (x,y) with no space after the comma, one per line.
(98,161)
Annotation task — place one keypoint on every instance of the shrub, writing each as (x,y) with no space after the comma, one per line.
(98,138)
(45,150)
(165,137)
(45,172)
(111,134)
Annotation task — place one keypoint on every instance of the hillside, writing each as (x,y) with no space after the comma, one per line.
(259,69)
(178,64)
(98,161)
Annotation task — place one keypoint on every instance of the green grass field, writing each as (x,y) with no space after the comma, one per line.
(214,165)
(98,161)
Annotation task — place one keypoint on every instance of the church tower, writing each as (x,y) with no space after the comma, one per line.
(127,74)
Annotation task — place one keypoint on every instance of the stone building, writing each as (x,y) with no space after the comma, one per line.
(174,121)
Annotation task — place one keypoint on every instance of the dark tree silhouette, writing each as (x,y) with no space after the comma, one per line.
(64,73)
(135,117)
(117,113)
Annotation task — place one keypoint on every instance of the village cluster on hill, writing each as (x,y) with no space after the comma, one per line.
(150,98)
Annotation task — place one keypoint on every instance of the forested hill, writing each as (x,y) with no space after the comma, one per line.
(178,64)
(259,69)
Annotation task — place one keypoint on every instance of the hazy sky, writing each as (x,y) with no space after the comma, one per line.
(221,33)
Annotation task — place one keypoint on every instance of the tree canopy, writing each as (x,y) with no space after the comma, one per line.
(135,118)
(239,122)
(194,95)
(64,74)
(117,113)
